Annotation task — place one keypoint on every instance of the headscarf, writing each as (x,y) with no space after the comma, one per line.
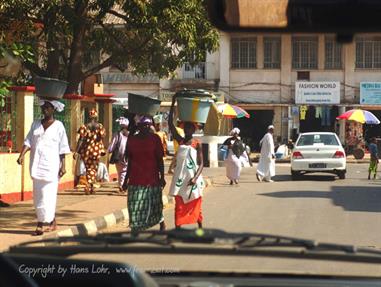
(144,120)
(93,113)
(235,131)
(270,127)
(58,106)
(123,121)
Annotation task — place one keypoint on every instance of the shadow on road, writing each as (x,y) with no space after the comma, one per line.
(350,198)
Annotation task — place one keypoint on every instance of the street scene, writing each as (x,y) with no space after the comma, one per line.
(144,128)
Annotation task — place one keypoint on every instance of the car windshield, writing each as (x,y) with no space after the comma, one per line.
(321,139)
(232,150)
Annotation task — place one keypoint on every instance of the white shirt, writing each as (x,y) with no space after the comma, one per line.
(46,147)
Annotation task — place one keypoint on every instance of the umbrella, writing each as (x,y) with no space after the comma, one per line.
(361,116)
(231,111)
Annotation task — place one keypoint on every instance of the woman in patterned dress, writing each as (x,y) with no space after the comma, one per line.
(90,147)
(187,182)
(145,178)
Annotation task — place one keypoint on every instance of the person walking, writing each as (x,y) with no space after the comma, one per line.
(90,147)
(48,145)
(118,146)
(266,165)
(373,150)
(145,178)
(187,183)
(235,158)
(162,135)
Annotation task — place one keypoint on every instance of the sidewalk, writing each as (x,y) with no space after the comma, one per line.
(77,213)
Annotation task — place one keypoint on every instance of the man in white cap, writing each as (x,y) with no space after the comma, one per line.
(48,144)
(266,165)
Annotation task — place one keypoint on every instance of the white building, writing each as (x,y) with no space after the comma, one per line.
(260,72)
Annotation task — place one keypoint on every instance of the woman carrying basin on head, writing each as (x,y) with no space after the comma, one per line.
(145,177)
(187,182)
(48,143)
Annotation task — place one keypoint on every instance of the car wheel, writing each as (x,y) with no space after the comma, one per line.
(341,174)
(295,174)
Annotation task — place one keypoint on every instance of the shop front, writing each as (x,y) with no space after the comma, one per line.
(316,108)
(370,99)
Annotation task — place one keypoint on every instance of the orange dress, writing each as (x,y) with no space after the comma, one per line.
(91,149)
(188,212)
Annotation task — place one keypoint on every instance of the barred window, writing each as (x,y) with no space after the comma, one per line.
(304,52)
(244,53)
(368,53)
(271,48)
(333,54)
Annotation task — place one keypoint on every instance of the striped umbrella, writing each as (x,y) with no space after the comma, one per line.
(232,111)
(360,116)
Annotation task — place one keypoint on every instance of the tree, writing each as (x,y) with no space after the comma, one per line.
(147,36)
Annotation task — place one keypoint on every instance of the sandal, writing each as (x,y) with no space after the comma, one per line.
(52,226)
(39,231)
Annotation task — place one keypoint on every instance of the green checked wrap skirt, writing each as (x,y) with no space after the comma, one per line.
(145,206)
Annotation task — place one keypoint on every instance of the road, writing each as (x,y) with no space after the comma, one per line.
(317,207)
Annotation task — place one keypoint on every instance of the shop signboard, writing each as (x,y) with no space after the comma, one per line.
(370,93)
(317,93)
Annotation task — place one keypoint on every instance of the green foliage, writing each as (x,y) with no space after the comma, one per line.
(143,36)
(4,91)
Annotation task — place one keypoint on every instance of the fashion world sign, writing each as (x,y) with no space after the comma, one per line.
(317,93)
(370,93)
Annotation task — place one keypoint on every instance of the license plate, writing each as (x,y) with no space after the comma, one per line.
(317,165)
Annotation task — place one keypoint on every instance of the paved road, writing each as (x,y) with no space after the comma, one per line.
(316,207)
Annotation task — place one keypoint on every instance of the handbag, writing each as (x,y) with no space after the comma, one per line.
(115,152)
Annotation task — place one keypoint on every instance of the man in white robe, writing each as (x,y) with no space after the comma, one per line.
(48,144)
(266,165)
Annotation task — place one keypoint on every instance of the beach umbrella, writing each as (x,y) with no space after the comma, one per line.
(360,116)
(232,111)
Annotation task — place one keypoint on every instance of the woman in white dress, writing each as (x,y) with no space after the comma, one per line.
(48,145)
(237,155)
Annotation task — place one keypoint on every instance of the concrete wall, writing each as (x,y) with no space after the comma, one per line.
(15,181)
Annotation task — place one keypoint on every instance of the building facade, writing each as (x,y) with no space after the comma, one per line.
(299,82)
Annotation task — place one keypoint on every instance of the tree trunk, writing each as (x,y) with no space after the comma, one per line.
(75,74)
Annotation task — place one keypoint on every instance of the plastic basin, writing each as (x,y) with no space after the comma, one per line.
(193,109)
(142,105)
(50,88)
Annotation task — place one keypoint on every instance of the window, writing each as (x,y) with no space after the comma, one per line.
(317,139)
(304,52)
(368,53)
(244,53)
(271,47)
(333,52)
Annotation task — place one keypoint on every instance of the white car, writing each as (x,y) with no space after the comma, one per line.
(318,152)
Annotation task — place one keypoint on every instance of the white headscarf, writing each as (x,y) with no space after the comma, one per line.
(270,127)
(235,131)
(123,121)
(58,106)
